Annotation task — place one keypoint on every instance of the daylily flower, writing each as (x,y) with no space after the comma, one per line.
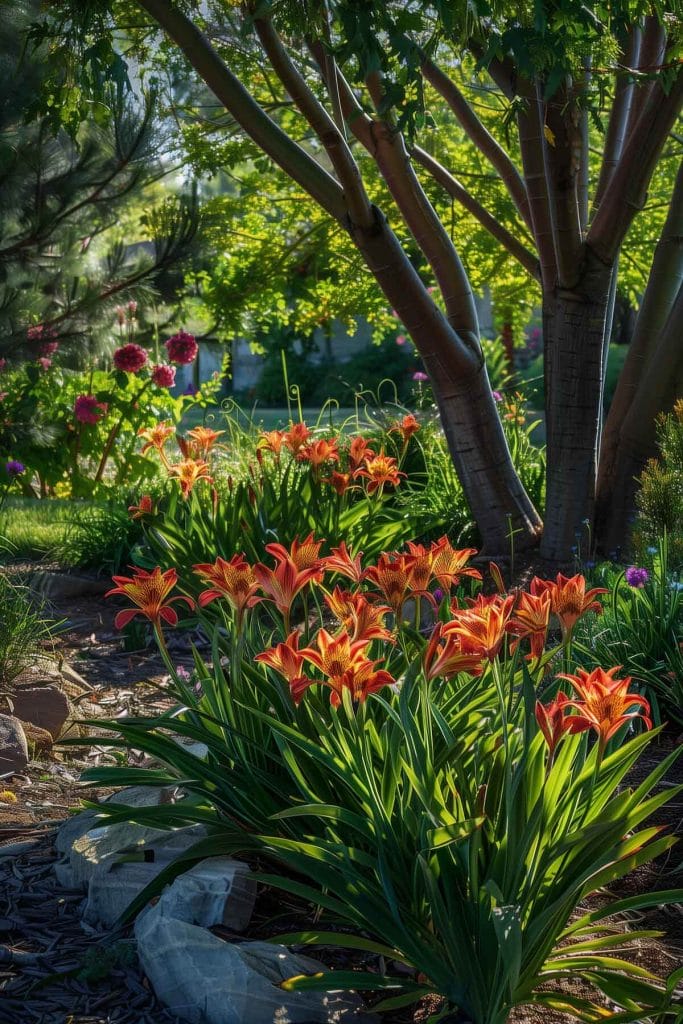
(282,584)
(340,561)
(272,440)
(420,561)
(568,599)
(145,508)
(188,473)
(406,427)
(449,564)
(359,617)
(297,436)
(303,554)
(318,453)
(204,439)
(530,619)
(605,703)
(391,576)
(287,659)
(156,437)
(149,592)
(554,723)
(233,580)
(481,627)
(339,482)
(359,451)
(345,667)
(380,470)
(445,657)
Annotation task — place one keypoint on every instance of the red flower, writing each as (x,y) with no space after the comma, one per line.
(445,657)
(380,470)
(149,592)
(339,482)
(359,451)
(450,564)
(391,576)
(361,619)
(554,722)
(182,348)
(282,584)
(163,375)
(302,554)
(145,508)
(568,599)
(318,453)
(233,580)
(530,620)
(406,427)
(345,667)
(188,473)
(297,436)
(272,440)
(481,627)
(605,703)
(88,410)
(130,358)
(286,659)
(340,561)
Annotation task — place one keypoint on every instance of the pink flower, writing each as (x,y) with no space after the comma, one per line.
(34,333)
(45,362)
(88,410)
(132,308)
(400,339)
(48,348)
(163,375)
(3,395)
(120,315)
(182,348)
(130,358)
(420,377)
(497,395)
(3,364)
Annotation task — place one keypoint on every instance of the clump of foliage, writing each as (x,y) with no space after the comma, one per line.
(410,784)
(23,630)
(660,497)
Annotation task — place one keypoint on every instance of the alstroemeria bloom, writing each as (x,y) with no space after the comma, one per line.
(303,554)
(530,619)
(188,473)
(359,451)
(380,470)
(445,657)
(297,436)
(318,453)
(359,617)
(406,427)
(341,561)
(149,591)
(234,580)
(288,661)
(145,508)
(391,576)
(450,564)
(481,627)
(605,703)
(568,599)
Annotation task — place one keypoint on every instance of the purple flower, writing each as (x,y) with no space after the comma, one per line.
(636,577)
(497,395)
(420,376)
(14,467)
(438,595)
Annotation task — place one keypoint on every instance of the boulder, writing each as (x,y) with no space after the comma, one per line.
(44,706)
(13,746)
(38,740)
(60,586)
(218,890)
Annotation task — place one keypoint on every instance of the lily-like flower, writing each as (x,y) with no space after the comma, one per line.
(420,562)
(339,482)
(445,657)
(406,427)
(149,592)
(380,470)
(199,442)
(359,451)
(569,600)
(233,580)
(318,453)
(282,584)
(188,473)
(605,703)
(341,561)
(450,564)
(288,661)
(156,437)
(303,554)
(481,627)
(344,664)
(272,441)
(296,437)
(362,619)
(145,508)
(530,619)
(391,576)
(554,722)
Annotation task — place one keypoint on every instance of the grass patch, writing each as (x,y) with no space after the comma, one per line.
(31,529)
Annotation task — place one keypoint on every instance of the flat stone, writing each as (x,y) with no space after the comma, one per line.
(38,740)
(60,586)
(44,706)
(204,980)
(114,885)
(218,890)
(13,746)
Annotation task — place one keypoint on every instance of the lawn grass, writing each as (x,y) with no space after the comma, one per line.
(33,529)
(265,419)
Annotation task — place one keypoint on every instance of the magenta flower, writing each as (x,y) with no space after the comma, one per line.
(400,339)
(120,315)
(497,395)
(163,375)
(182,348)
(45,362)
(130,358)
(132,308)
(420,376)
(3,364)
(88,410)
(14,468)
(636,577)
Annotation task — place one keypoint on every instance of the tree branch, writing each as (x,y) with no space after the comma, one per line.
(293,160)
(651,55)
(322,124)
(617,128)
(532,143)
(480,136)
(458,192)
(562,158)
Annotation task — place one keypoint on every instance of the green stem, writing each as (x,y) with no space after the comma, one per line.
(114,433)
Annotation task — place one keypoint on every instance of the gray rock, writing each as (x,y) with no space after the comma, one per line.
(205,980)
(13,746)
(114,884)
(59,586)
(218,890)
(44,706)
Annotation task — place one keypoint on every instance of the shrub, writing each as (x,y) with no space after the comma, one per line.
(411,786)
(23,630)
(660,498)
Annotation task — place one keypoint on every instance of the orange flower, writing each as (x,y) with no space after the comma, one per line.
(145,508)
(481,627)
(233,580)
(362,620)
(286,659)
(359,451)
(188,473)
(554,723)
(297,436)
(340,561)
(380,470)
(340,482)
(318,453)
(568,599)
(204,439)
(450,564)
(302,555)
(406,427)
(149,592)
(155,437)
(419,561)
(605,703)
(530,619)
(448,658)
(282,584)
(391,576)
(342,661)
(272,440)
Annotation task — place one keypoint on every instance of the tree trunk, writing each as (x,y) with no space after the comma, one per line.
(469,416)
(574,331)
